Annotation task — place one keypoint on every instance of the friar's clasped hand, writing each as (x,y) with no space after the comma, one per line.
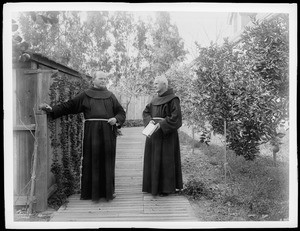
(156,125)
(112,121)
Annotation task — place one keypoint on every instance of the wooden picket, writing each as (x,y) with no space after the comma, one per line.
(136,105)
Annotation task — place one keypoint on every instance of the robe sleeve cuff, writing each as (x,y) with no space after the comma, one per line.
(119,121)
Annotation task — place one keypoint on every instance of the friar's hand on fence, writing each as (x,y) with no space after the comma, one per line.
(112,121)
(45,107)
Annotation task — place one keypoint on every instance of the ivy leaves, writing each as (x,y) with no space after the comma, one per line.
(66,139)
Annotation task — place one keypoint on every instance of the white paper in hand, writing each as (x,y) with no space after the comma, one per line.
(149,129)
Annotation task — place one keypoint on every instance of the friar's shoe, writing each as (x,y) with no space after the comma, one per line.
(113,197)
(163,194)
(95,201)
(179,191)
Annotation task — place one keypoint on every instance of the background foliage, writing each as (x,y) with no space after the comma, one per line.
(244,85)
(134,51)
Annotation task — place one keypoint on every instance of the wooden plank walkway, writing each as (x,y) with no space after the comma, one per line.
(130,204)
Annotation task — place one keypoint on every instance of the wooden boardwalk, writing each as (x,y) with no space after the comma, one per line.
(130,204)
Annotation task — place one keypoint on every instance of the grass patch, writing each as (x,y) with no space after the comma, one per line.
(257,187)
(196,189)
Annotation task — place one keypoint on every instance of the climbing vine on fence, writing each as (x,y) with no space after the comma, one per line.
(66,135)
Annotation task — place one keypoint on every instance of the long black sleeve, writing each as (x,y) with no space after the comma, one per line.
(147,115)
(174,121)
(72,106)
(119,111)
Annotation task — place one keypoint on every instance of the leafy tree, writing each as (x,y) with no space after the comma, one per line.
(140,44)
(166,46)
(41,34)
(67,41)
(96,28)
(122,30)
(18,44)
(111,41)
(133,50)
(181,78)
(246,85)
(267,46)
(131,75)
(30,21)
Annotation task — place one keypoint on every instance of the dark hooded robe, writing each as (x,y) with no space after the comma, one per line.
(162,164)
(99,142)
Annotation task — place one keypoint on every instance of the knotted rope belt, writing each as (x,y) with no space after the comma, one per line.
(96,120)
(99,119)
(158,118)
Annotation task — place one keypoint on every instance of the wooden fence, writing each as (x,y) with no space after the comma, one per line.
(136,105)
(31,84)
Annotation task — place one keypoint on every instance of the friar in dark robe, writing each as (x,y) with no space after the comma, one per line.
(162,173)
(103,115)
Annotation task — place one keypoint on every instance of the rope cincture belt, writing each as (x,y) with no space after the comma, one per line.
(106,120)
(158,118)
(96,120)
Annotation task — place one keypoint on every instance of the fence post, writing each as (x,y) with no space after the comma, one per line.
(225,151)
(41,189)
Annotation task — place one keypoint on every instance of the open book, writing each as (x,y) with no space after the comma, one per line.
(149,129)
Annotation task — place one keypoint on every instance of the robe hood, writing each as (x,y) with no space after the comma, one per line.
(164,98)
(98,93)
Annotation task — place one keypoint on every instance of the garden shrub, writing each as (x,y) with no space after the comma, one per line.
(243,86)
(197,189)
(133,123)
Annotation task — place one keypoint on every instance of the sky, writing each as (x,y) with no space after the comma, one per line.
(202,27)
